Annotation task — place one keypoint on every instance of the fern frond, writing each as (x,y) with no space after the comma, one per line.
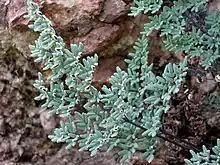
(128,113)
(145,6)
(205,156)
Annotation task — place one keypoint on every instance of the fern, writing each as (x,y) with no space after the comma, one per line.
(145,6)
(205,156)
(188,26)
(126,115)
(61,97)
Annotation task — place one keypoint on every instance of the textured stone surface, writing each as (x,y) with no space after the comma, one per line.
(99,38)
(48,122)
(64,3)
(113,9)
(208,85)
(3,11)
(15,10)
(2,126)
(214,5)
(213,118)
(107,67)
(97,23)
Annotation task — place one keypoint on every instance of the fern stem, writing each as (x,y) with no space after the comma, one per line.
(183,140)
(173,142)
(165,138)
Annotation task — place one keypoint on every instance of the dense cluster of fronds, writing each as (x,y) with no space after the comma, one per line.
(187,26)
(128,113)
(135,96)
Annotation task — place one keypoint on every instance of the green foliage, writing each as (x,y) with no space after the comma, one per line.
(61,97)
(188,26)
(213,100)
(126,115)
(50,50)
(145,6)
(205,157)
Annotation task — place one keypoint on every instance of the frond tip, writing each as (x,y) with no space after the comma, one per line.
(205,156)
(145,6)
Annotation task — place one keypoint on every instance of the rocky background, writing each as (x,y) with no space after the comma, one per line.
(104,28)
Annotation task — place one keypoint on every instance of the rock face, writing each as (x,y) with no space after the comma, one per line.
(15,11)
(98,24)
(102,26)
(113,9)
(96,41)
(214,5)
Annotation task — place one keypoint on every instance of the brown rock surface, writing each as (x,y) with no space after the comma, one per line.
(113,9)
(214,5)
(99,38)
(15,11)
(48,122)
(78,20)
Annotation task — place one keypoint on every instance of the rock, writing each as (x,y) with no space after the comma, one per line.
(20,151)
(5,147)
(128,1)
(107,68)
(3,11)
(113,9)
(75,21)
(205,85)
(48,122)
(91,7)
(64,3)
(212,117)
(1,87)
(74,156)
(214,121)
(217,78)
(158,162)
(21,41)
(2,126)
(99,38)
(208,85)
(63,16)
(156,49)
(137,159)
(5,41)
(15,10)
(214,5)
(34,111)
